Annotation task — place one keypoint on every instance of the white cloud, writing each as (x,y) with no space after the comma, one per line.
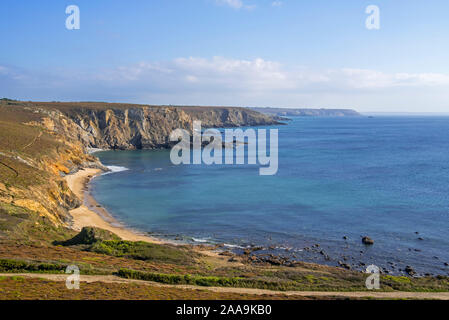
(259,74)
(236,4)
(223,81)
(371,79)
(277,3)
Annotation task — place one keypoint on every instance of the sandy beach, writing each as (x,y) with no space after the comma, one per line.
(85,217)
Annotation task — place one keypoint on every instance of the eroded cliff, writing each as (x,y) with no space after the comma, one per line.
(118,126)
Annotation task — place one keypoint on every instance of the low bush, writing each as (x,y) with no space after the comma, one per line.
(203,281)
(7,265)
(143,251)
(88,236)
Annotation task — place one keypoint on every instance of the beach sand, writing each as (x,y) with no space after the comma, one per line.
(85,217)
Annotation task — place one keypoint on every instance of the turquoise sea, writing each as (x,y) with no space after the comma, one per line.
(382,177)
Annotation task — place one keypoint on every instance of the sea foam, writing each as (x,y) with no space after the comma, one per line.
(115,169)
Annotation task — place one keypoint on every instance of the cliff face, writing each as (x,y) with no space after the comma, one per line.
(112,126)
(215,117)
(134,128)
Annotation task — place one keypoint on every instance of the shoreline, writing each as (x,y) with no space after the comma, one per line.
(91,214)
(84,216)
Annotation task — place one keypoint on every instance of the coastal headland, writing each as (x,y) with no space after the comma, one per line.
(48,221)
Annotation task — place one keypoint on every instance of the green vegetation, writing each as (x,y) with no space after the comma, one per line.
(21,266)
(144,251)
(424,284)
(105,242)
(88,236)
(17,266)
(202,280)
(19,138)
(399,280)
(305,282)
(21,288)
(22,225)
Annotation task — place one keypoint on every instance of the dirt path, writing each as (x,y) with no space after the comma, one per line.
(33,141)
(371,294)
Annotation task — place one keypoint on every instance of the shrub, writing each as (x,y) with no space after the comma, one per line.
(202,280)
(7,265)
(143,251)
(88,236)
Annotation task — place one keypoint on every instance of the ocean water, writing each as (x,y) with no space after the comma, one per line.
(382,177)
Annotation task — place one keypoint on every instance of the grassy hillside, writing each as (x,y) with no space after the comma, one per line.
(32,163)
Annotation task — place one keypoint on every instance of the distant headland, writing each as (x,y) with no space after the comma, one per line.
(287,112)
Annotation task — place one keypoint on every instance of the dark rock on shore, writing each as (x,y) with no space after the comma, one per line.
(226,253)
(344,265)
(251,250)
(367,240)
(325,255)
(271,259)
(410,270)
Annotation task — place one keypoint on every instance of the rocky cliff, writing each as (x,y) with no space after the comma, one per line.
(117,126)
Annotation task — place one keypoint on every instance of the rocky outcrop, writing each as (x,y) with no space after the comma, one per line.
(89,235)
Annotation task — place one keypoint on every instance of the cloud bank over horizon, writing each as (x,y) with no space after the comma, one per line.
(237,82)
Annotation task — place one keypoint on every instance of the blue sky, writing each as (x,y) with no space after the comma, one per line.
(290,53)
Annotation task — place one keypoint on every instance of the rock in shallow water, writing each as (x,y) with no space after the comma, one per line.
(367,241)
